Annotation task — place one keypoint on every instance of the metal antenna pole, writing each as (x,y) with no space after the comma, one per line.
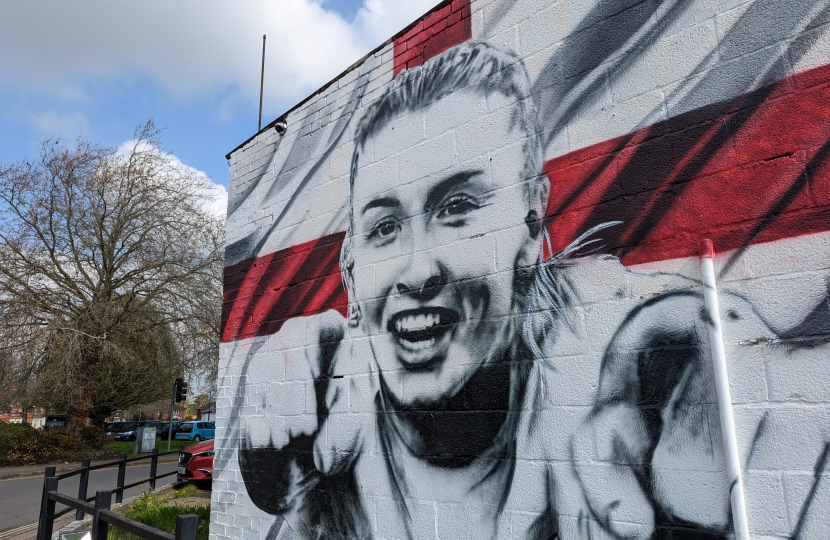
(261,85)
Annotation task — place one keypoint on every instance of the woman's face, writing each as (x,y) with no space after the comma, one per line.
(438,232)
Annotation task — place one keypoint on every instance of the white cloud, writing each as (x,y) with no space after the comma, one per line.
(191,47)
(214,196)
(378,20)
(67,126)
(218,204)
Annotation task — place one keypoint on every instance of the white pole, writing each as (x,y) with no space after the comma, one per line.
(727,421)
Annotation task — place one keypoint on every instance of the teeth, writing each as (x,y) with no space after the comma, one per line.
(415,323)
(419,345)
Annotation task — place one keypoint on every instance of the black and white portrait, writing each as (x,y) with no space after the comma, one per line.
(483,384)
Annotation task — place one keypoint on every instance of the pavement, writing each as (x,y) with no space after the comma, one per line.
(68,523)
(22,489)
(64,466)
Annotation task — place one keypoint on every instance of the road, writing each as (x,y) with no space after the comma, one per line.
(20,497)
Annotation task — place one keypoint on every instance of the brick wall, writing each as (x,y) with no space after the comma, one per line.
(434,34)
(463,295)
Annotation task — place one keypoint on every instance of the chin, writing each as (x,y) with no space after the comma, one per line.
(425,356)
(420,389)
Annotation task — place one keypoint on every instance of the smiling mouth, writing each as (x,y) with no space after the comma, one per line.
(418,330)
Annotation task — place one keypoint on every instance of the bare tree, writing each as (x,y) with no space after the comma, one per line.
(18,358)
(107,259)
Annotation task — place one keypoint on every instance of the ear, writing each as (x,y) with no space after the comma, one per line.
(533,224)
(539,195)
(346,269)
(533,244)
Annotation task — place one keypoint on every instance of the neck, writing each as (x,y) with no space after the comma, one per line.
(456,430)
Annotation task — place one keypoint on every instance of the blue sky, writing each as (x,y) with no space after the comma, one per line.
(98,68)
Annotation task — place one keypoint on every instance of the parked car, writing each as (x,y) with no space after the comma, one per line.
(196,464)
(127,432)
(161,428)
(196,431)
(109,426)
(113,428)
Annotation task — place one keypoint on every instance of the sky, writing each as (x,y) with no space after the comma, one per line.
(99,68)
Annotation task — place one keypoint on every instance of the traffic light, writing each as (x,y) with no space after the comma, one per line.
(181,390)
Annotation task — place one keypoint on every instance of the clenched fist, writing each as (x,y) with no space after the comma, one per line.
(309,394)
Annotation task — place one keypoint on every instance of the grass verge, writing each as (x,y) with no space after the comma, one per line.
(188,489)
(161,446)
(152,510)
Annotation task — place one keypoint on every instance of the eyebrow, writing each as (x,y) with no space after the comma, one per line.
(383,202)
(437,193)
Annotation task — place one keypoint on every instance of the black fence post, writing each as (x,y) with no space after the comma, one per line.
(83,482)
(187,527)
(122,471)
(45,528)
(100,528)
(50,473)
(154,461)
(181,447)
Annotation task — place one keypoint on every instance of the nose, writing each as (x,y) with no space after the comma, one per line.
(423,278)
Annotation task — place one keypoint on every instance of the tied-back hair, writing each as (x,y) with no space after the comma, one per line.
(485,70)
(546,299)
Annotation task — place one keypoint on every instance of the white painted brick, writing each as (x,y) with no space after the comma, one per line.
(747,380)
(550,25)
(794,436)
(765,504)
(710,50)
(412,125)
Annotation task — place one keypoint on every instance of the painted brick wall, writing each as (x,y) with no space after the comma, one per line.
(463,295)
(434,34)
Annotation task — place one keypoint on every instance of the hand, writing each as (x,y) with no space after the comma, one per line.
(285,405)
(283,380)
(349,404)
(310,383)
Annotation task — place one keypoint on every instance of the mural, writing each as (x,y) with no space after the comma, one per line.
(455,337)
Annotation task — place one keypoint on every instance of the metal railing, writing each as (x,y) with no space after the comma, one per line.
(100,511)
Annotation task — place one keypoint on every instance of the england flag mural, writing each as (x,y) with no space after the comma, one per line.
(464,295)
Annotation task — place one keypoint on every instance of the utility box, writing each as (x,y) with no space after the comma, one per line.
(145,440)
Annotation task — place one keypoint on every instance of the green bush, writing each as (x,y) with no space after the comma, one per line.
(23,445)
(93,436)
(10,433)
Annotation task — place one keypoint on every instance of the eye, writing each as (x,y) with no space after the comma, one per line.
(457,205)
(384,230)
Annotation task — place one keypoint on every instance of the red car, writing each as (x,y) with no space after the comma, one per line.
(196,463)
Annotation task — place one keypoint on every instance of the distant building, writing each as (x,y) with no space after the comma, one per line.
(207,412)
(160,414)
(178,413)
(35,416)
